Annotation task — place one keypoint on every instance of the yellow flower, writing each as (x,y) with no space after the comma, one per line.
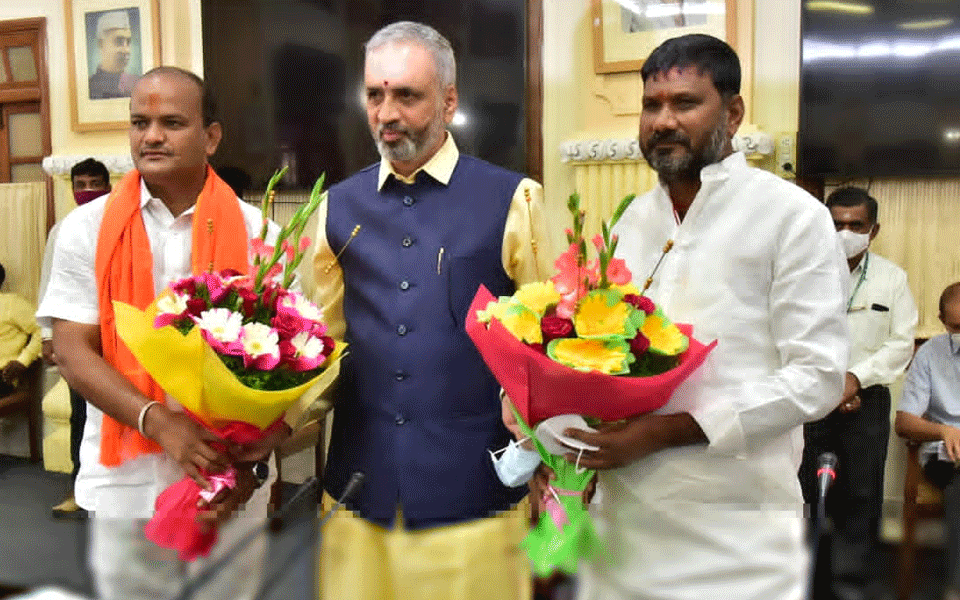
(601,314)
(606,356)
(537,296)
(665,337)
(627,288)
(522,323)
(495,309)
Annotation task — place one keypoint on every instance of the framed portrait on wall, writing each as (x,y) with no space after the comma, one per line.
(626,31)
(110,43)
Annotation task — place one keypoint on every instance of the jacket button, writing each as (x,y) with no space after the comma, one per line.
(399,419)
(400,375)
(407,201)
(401,329)
(407,242)
(404,285)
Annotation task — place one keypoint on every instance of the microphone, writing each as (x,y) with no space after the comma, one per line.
(269,582)
(356,480)
(826,473)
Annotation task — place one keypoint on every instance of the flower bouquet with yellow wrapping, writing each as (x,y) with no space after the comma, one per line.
(585,343)
(236,351)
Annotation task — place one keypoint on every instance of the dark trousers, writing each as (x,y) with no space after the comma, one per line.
(944,475)
(78,416)
(855,501)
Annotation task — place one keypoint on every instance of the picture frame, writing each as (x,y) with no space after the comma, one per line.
(110,43)
(626,31)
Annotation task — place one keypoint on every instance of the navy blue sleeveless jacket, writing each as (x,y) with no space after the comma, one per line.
(416,408)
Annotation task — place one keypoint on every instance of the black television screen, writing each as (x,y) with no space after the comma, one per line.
(879,88)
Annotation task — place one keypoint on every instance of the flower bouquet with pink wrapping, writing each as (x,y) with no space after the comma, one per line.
(247,347)
(584,344)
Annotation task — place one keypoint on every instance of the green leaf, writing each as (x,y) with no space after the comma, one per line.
(621,208)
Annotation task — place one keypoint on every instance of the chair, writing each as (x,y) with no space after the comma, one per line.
(25,400)
(921,500)
(310,435)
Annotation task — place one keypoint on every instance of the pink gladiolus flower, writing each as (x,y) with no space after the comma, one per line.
(260,249)
(304,243)
(598,242)
(288,250)
(617,272)
(570,276)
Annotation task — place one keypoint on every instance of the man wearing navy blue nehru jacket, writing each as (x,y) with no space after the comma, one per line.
(882,318)
(402,247)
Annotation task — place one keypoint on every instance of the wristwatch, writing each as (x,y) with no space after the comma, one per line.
(261,471)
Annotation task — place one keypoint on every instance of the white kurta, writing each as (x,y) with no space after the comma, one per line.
(756,265)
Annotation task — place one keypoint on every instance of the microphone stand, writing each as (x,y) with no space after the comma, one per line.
(273,523)
(825,475)
(270,582)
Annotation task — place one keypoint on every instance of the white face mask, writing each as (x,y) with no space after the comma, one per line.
(516,464)
(853,243)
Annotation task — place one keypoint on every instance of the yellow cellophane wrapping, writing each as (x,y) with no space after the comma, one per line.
(192,373)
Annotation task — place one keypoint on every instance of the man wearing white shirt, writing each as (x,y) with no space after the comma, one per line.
(882,318)
(929,412)
(700,498)
(136,441)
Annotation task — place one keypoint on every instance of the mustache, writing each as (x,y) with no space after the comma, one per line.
(668,137)
(394,127)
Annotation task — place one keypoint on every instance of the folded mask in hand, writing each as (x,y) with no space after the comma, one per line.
(515,464)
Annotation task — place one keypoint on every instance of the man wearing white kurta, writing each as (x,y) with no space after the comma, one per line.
(701,499)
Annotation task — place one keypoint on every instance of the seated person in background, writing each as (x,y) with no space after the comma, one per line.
(89,179)
(19,337)
(929,412)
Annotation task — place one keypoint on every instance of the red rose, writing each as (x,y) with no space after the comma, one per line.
(639,345)
(195,306)
(248,302)
(640,303)
(555,327)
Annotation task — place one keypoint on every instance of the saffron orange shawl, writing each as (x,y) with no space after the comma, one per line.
(124,269)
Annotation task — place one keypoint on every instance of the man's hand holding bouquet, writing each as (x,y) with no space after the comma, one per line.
(585,348)
(236,350)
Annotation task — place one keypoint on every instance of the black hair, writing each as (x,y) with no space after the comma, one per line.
(92,167)
(3,275)
(705,52)
(854,196)
(208,105)
(950,293)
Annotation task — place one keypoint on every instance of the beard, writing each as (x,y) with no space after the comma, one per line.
(685,166)
(414,144)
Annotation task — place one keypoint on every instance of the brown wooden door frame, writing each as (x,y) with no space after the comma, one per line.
(534,90)
(34,32)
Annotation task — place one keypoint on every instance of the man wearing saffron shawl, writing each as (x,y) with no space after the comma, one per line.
(170,217)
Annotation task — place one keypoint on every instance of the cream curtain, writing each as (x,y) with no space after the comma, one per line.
(23,231)
(920,231)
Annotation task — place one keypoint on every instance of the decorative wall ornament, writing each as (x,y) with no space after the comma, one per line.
(753,144)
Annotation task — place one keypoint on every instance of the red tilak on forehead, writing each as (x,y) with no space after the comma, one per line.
(386,83)
(153,100)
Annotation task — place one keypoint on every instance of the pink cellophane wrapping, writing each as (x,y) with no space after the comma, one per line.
(174,524)
(541,388)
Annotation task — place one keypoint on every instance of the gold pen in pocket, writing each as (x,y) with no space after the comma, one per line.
(439,259)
